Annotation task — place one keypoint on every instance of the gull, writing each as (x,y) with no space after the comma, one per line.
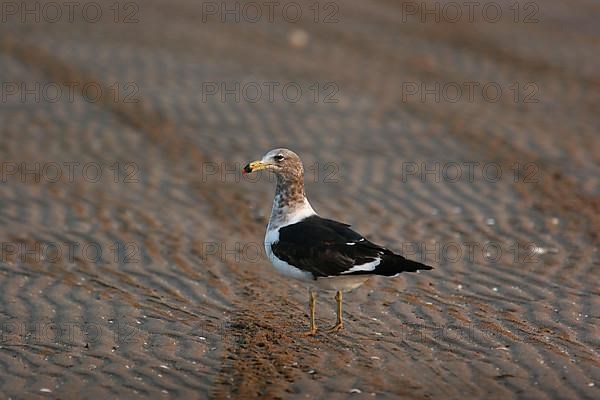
(324,253)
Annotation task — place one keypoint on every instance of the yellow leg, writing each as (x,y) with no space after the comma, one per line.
(340,323)
(312,302)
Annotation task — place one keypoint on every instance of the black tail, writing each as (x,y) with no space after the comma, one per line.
(393,264)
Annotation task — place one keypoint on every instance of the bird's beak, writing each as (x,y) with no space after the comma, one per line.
(254,166)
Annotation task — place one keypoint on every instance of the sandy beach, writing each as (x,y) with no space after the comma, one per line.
(132,261)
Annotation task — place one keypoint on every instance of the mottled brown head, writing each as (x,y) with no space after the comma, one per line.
(282,162)
(290,203)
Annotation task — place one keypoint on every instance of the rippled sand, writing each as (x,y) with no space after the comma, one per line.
(182,302)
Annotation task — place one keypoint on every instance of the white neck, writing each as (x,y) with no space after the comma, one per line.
(289,213)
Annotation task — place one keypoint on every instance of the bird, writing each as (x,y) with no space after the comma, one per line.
(324,253)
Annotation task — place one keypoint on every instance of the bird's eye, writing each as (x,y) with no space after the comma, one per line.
(278,157)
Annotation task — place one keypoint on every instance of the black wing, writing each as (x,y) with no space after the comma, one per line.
(329,248)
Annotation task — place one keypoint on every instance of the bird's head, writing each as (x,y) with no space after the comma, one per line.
(283,162)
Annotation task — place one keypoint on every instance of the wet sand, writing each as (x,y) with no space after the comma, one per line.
(149,281)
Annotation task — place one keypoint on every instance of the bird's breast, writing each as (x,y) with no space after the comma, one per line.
(271,238)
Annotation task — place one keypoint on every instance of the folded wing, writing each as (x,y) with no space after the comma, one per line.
(325,247)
